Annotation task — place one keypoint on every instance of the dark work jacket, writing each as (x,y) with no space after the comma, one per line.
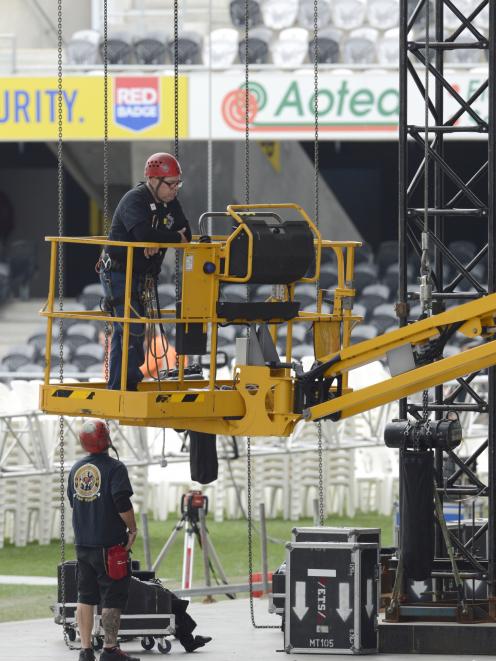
(94,481)
(138,215)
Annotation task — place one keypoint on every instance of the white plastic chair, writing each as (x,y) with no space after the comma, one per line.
(306,14)
(222,47)
(383,14)
(388,47)
(374,479)
(279,14)
(348,14)
(360,47)
(340,464)
(291,48)
(82,47)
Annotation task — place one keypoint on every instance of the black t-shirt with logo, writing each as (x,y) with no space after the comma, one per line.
(138,208)
(93,483)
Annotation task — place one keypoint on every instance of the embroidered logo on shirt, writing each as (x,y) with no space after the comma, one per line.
(169,221)
(87,482)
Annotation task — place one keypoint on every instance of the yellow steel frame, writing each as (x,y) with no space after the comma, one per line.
(259,401)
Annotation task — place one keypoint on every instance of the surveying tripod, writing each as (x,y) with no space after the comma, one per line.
(194,508)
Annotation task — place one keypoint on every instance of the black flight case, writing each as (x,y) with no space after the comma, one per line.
(332,598)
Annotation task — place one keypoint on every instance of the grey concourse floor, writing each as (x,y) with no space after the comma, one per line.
(227,621)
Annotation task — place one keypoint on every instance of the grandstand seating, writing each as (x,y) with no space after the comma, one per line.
(338,21)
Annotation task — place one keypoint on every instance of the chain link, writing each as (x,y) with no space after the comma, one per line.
(320,448)
(60,265)
(249,517)
(106,215)
(177,264)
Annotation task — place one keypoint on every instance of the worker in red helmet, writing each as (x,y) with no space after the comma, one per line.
(149,212)
(99,493)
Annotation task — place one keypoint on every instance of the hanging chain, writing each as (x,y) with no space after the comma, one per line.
(248,440)
(320,449)
(60,265)
(210,204)
(247,107)
(425,267)
(177,264)
(106,222)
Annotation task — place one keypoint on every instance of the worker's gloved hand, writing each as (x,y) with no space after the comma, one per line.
(149,252)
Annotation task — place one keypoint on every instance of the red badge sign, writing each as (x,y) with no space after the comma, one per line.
(136,102)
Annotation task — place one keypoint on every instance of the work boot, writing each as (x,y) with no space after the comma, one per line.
(196,642)
(87,655)
(116,655)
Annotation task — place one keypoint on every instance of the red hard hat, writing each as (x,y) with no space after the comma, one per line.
(162,165)
(94,436)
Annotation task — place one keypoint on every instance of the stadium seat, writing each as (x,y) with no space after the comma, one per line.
(392,276)
(359,310)
(363,332)
(237,12)
(91,295)
(348,14)
(373,295)
(383,317)
(55,354)
(18,356)
(233,293)
(279,14)
(388,47)
(364,253)
(383,14)
(329,46)
(189,47)
(79,334)
(88,355)
(258,46)
(365,274)
(119,48)
(31,369)
(222,47)
(305,16)
(82,47)
(291,47)
(150,49)
(360,47)
(328,278)
(38,337)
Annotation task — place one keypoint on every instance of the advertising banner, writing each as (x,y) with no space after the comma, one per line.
(139,108)
(351,106)
(359,106)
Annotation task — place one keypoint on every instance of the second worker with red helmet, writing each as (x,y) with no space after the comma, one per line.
(149,212)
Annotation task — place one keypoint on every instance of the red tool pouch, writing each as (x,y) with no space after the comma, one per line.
(117,562)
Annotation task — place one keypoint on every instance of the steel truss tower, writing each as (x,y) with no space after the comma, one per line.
(437,197)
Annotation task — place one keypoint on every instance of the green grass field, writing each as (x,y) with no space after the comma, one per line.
(18,602)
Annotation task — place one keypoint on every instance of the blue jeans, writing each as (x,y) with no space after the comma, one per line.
(114,285)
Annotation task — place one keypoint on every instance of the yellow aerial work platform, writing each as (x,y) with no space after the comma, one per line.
(266,396)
